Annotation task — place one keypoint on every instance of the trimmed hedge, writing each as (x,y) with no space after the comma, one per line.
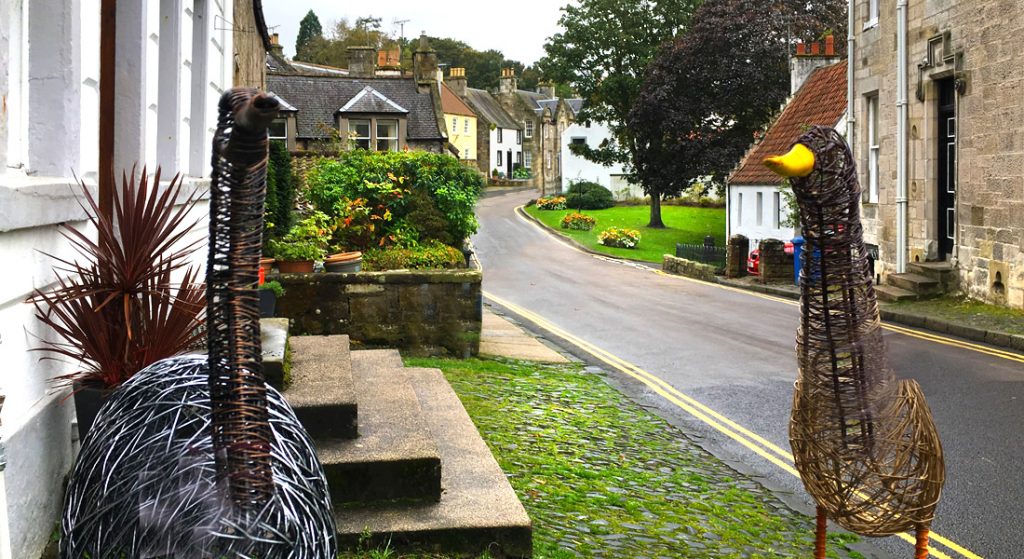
(433,255)
(587,195)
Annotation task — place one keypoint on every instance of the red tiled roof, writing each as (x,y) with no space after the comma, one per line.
(820,101)
(451,104)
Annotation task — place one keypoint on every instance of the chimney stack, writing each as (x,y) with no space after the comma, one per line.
(275,45)
(547,89)
(361,62)
(809,59)
(424,62)
(389,62)
(508,83)
(457,81)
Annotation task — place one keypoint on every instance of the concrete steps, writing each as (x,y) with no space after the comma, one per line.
(402,457)
(478,509)
(891,294)
(942,272)
(923,286)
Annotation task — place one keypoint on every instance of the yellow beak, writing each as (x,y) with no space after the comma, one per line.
(799,162)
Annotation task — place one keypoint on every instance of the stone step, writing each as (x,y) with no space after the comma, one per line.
(478,511)
(322,392)
(921,285)
(395,456)
(274,345)
(942,272)
(892,294)
(384,358)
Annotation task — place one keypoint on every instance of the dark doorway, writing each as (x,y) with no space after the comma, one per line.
(508,163)
(946,195)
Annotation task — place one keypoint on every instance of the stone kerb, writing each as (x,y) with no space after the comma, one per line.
(774,265)
(436,312)
(683,267)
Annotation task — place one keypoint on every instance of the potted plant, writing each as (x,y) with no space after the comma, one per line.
(303,245)
(344,262)
(133,299)
(270,292)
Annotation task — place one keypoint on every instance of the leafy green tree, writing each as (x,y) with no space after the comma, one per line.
(309,29)
(333,51)
(707,94)
(602,54)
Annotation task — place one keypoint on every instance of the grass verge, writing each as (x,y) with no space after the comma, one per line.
(965,311)
(602,477)
(683,225)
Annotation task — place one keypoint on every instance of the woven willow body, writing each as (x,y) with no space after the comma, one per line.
(864,443)
(197,457)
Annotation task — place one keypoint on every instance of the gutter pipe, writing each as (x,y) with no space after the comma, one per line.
(850,47)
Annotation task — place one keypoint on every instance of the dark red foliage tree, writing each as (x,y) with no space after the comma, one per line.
(706,94)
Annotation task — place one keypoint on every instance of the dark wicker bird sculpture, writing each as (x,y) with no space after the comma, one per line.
(864,443)
(196,456)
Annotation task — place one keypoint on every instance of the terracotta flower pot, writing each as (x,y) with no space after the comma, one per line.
(298,267)
(267,264)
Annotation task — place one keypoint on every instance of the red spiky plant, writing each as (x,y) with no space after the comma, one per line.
(116,310)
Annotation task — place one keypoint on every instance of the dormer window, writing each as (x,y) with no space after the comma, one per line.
(359,131)
(387,135)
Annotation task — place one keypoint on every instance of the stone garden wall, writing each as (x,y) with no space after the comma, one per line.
(688,268)
(435,312)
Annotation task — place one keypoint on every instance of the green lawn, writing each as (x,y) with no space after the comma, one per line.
(683,225)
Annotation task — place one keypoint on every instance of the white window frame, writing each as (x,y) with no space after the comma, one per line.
(500,136)
(519,137)
(352,123)
(739,208)
(392,140)
(872,19)
(465,126)
(759,213)
(528,128)
(500,163)
(455,124)
(528,159)
(777,207)
(283,122)
(873,146)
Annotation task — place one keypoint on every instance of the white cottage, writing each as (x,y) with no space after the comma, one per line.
(755,204)
(577,168)
(78,98)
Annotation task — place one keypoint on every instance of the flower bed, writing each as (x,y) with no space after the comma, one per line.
(554,203)
(578,222)
(619,237)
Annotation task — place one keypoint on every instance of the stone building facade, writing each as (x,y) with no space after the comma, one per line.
(252,42)
(965,129)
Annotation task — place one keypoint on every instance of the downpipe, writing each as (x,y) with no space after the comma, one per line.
(901,136)
(851,120)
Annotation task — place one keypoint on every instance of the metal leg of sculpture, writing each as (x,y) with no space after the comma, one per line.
(921,549)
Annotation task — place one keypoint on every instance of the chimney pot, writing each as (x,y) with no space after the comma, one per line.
(275,39)
(815,48)
(830,45)
(801,49)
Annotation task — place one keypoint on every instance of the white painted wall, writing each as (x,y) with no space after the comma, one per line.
(49,78)
(508,142)
(576,168)
(744,212)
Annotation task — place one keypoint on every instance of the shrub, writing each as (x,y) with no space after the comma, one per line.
(619,237)
(279,209)
(274,286)
(307,240)
(578,222)
(432,255)
(388,180)
(521,173)
(589,196)
(554,203)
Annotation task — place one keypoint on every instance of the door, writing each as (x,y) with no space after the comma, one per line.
(508,163)
(946,194)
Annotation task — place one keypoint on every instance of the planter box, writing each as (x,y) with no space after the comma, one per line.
(435,312)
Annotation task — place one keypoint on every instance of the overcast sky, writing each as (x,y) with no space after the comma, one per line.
(519,29)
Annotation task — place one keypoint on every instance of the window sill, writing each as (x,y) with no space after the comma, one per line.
(870,24)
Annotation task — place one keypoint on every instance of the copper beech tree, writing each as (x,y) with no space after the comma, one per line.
(707,94)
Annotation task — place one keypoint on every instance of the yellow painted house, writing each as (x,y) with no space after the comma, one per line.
(461,123)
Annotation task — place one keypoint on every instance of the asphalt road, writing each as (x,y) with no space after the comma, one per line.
(734,353)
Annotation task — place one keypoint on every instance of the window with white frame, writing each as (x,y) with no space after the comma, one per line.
(455,124)
(499,159)
(519,158)
(739,209)
(872,15)
(528,159)
(359,131)
(528,127)
(500,140)
(519,137)
(776,209)
(465,126)
(873,147)
(387,135)
(760,209)
(278,129)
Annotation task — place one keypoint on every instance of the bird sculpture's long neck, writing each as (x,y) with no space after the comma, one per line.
(839,345)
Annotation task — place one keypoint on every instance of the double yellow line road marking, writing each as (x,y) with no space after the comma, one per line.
(736,432)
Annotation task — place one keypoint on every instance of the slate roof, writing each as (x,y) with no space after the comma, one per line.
(821,100)
(451,104)
(533,99)
(487,107)
(575,105)
(542,104)
(319,98)
(369,100)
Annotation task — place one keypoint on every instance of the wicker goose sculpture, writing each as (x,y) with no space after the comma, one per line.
(864,443)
